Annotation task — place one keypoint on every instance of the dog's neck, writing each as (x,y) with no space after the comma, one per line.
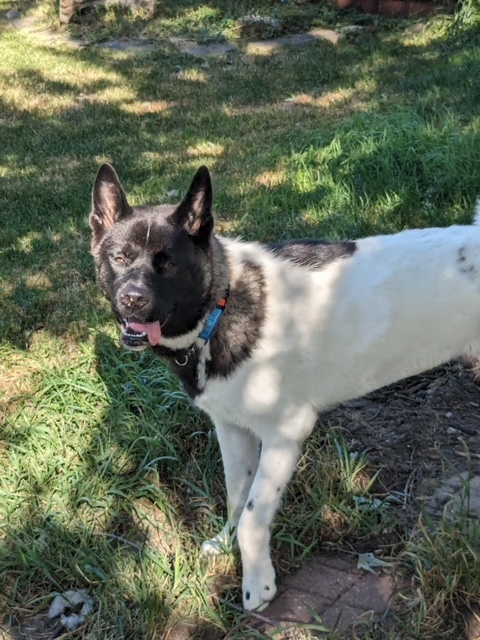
(218,282)
(195,360)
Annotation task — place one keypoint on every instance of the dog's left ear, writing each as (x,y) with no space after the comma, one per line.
(109,202)
(194,213)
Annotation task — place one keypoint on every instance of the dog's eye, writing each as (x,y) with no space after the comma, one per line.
(119,259)
(161,261)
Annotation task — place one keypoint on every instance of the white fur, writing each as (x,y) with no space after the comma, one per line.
(399,305)
(476,219)
(186,340)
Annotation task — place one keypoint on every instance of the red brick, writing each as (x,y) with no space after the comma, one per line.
(339,616)
(296,606)
(323,581)
(335,562)
(372,593)
(333,589)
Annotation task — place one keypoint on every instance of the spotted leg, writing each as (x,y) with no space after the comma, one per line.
(277,463)
(240,453)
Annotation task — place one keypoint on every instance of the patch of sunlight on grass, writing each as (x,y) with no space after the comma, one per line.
(193,75)
(205,149)
(153,106)
(58,84)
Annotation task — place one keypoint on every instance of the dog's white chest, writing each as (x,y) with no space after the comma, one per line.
(219,405)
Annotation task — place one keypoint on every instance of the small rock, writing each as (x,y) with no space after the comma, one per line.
(73,621)
(472,623)
(13,14)
(458,494)
(257,19)
(449,414)
(80,600)
(416,28)
(451,431)
(352,29)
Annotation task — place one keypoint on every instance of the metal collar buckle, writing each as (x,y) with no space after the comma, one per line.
(208,328)
(186,357)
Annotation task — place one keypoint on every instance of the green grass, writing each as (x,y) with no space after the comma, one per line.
(110,480)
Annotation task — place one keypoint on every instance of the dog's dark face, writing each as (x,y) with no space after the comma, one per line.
(153,263)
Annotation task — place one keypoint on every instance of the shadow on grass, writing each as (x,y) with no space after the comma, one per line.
(91,565)
(121,610)
(120,523)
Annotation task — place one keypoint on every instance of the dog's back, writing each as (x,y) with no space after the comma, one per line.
(390,307)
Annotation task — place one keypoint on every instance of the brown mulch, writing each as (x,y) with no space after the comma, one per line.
(419,430)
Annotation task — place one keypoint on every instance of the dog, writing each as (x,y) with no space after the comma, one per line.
(264,337)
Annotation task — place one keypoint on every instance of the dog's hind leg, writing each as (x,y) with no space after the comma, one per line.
(240,454)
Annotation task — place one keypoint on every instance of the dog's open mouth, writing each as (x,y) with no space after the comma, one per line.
(138,335)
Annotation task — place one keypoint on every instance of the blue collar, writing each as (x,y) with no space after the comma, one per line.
(208,328)
(214,317)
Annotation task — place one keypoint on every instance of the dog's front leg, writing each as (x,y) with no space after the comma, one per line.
(277,462)
(240,453)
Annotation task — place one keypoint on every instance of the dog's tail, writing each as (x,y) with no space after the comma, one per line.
(476,217)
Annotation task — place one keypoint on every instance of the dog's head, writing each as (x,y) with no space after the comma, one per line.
(153,263)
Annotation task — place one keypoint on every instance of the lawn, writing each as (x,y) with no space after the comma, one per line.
(110,479)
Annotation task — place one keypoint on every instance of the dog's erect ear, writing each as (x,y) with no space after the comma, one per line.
(109,202)
(194,213)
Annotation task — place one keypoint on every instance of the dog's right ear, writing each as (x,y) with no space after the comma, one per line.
(109,202)
(194,213)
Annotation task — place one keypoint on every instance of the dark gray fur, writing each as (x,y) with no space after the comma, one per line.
(187,373)
(314,254)
(241,324)
(235,337)
(466,267)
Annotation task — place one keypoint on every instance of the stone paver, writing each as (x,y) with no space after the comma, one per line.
(138,45)
(203,50)
(340,616)
(371,593)
(461,493)
(188,47)
(326,581)
(47,36)
(298,39)
(263,47)
(333,589)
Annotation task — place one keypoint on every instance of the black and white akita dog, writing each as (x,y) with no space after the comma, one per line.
(263,337)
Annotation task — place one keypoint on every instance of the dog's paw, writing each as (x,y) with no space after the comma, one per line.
(221,543)
(259,588)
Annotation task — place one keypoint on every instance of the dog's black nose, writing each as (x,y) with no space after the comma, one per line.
(134,298)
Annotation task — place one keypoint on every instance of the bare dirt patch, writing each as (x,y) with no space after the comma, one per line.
(419,430)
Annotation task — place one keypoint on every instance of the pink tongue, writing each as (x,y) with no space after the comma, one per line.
(152,329)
